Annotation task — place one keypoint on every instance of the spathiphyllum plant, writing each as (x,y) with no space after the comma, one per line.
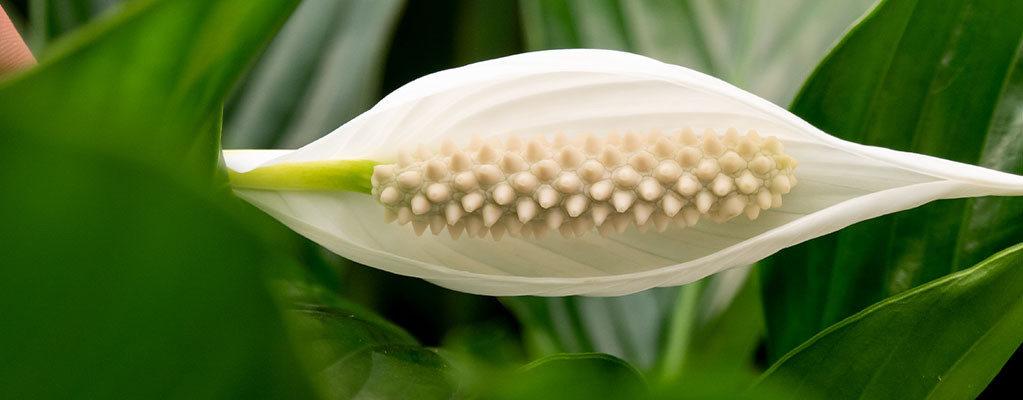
(589,172)
(603,199)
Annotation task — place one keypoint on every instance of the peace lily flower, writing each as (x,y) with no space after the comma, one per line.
(485,148)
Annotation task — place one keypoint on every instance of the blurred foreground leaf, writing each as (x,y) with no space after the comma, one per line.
(125,275)
(120,281)
(923,76)
(945,339)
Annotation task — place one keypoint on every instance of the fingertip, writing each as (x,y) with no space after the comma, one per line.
(14,54)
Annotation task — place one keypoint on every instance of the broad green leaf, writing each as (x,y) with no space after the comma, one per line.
(121,281)
(124,275)
(944,339)
(767,47)
(932,78)
(324,68)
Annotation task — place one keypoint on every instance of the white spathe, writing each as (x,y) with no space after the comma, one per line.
(574,91)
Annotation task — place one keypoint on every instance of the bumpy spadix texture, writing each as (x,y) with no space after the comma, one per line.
(574,185)
(576,91)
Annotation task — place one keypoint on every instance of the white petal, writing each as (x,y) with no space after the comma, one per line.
(575,91)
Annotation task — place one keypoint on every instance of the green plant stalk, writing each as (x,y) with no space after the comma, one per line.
(680,330)
(348,175)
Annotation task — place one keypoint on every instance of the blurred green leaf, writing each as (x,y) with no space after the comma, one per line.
(485,30)
(713,384)
(355,354)
(571,376)
(726,340)
(322,314)
(722,334)
(767,47)
(391,372)
(631,327)
(485,344)
(125,275)
(121,281)
(324,68)
(930,78)
(944,339)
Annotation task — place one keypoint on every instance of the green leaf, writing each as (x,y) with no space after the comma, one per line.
(126,276)
(120,281)
(572,376)
(391,372)
(355,354)
(324,68)
(944,339)
(930,78)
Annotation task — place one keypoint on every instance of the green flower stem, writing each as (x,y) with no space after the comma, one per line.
(350,175)
(680,330)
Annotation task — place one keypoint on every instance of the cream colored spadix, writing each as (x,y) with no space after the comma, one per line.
(577,91)
(574,186)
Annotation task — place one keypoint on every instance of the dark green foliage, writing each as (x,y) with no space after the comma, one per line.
(940,83)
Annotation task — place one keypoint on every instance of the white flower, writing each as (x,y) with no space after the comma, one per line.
(576,91)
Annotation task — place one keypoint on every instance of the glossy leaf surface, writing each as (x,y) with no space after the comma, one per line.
(940,88)
(944,339)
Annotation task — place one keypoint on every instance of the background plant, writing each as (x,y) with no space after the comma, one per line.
(130,270)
